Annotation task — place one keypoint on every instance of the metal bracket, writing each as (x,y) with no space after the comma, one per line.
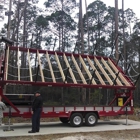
(116,78)
(66,75)
(92,76)
(37,73)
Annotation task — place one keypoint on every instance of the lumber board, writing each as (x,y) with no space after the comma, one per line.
(87,71)
(96,72)
(18,64)
(50,67)
(30,70)
(111,72)
(7,61)
(78,69)
(103,71)
(70,70)
(120,74)
(60,68)
(40,67)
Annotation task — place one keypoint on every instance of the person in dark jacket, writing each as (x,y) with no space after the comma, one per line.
(36,113)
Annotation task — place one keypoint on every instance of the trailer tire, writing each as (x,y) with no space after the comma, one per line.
(91,119)
(76,120)
(64,119)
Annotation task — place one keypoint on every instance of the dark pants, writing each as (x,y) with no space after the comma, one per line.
(36,120)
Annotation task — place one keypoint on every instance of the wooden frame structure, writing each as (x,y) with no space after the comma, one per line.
(75,70)
(51,68)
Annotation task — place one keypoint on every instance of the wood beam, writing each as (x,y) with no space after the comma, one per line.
(78,69)
(70,70)
(87,71)
(30,70)
(120,74)
(96,72)
(60,68)
(111,72)
(7,61)
(103,71)
(18,64)
(40,67)
(50,67)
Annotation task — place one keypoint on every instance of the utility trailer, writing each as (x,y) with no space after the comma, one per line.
(102,73)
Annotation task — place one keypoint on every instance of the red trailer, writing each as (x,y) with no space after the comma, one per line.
(102,73)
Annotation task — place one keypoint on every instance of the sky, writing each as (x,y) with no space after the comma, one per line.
(132,4)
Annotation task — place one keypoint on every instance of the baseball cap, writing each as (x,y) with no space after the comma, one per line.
(36,92)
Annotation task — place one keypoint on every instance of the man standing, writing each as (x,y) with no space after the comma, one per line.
(36,112)
(2,108)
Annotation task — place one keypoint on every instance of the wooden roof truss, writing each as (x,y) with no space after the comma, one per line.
(65,69)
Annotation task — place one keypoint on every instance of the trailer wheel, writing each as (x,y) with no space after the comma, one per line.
(76,120)
(91,119)
(64,119)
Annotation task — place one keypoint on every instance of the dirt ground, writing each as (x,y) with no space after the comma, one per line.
(106,135)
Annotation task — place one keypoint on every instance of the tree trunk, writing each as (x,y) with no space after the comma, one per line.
(83,90)
(124,46)
(116,29)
